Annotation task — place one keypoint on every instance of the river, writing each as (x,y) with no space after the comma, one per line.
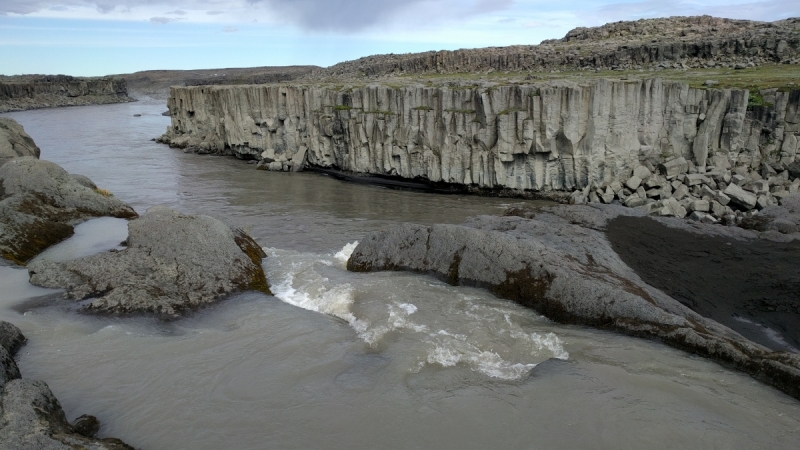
(340,360)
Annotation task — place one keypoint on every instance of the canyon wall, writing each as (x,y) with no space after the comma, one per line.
(32,92)
(553,136)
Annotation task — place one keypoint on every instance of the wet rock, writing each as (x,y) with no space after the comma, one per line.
(556,265)
(40,203)
(173,264)
(30,415)
(86,425)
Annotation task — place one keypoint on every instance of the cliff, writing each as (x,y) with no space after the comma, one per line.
(21,93)
(552,136)
(679,42)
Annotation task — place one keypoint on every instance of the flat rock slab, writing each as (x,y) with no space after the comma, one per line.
(571,274)
(721,278)
(174,264)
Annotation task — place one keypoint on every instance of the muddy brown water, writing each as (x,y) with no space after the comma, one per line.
(342,360)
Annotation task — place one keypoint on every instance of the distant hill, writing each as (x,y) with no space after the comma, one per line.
(156,83)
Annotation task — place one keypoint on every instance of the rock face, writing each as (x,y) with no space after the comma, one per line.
(40,203)
(682,42)
(15,142)
(30,415)
(571,274)
(20,93)
(174,264)
(553,136)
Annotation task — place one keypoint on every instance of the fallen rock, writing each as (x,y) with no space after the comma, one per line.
(740,197)
(40,203)
(570,274)
(30,415)
(173,264)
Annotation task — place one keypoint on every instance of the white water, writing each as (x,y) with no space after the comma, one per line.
(339,359)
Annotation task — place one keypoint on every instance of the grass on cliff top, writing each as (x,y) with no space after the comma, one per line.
(780,76)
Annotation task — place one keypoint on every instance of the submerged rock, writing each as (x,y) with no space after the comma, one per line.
(30,415)
(174,263)
(557,262)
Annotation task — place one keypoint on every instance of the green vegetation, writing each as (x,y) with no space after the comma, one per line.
(422,108)
(509,111)
(778,76)
(342,108)
(460,111)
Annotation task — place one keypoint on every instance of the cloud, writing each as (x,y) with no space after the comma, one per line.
(177,12)
(215,13)
(163,20)
(230,29)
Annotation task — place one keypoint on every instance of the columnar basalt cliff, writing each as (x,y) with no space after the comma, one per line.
(45,91)
(553,136)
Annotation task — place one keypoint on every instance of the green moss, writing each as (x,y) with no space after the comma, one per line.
(422,108)
(342,108)
(460,111)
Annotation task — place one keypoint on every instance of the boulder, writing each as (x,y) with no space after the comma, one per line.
(173,264)
(740,197)
(15,142)
(40,203)
(569,273)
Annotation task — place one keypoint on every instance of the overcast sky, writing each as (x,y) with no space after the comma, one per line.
(99,37)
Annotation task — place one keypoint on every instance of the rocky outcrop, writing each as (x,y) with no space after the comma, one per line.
(21,93)
(674,42)
(552,136)
(173,264)
(40,203)
(556,264)
(31,416)
(15,142)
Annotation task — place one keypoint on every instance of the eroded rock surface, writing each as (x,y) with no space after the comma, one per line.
(571,274)
(173,264)
(30,415)
(40,203)
(15,142)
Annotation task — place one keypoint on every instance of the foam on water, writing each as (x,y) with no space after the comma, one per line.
(451,326)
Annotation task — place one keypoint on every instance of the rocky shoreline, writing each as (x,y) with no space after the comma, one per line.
(173,264)
(31,416)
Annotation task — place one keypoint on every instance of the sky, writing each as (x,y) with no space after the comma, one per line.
(101,37)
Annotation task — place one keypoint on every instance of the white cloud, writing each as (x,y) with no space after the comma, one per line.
(230,29)
(163,20)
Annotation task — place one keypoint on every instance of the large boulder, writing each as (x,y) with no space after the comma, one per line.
(15,142)
(40,203)
(173,264)
(570,274)
(31,416)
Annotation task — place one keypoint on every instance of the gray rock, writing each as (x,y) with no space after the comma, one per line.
(15,142)
(40,203)
(32,418)
(674,167)
(633,182)
(173,264)
(567,272)
(740,197)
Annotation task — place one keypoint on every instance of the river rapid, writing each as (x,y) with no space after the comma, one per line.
(341,360)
